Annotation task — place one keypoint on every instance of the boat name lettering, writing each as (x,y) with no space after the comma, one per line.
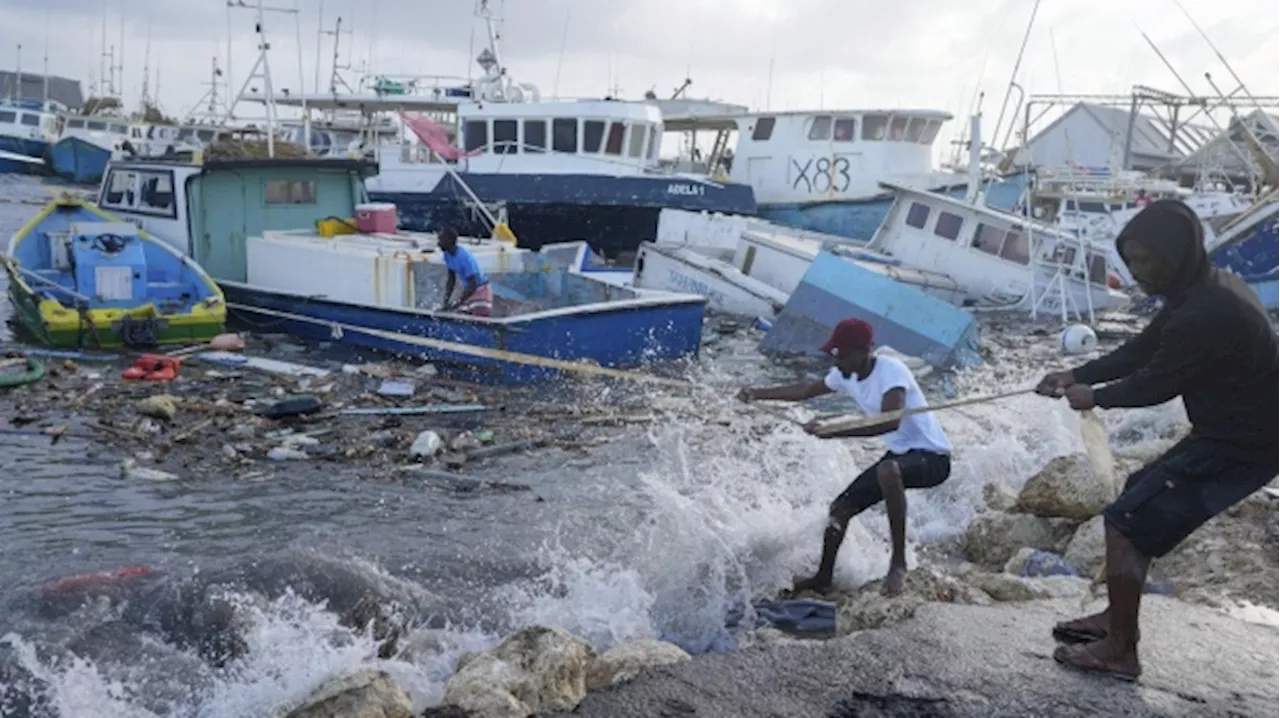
(692,190)
(688,284)
(822,174)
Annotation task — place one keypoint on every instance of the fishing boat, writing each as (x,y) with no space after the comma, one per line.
(253,223)
(17,164)
(584,169)
(79,277)
(1249,247)
(27,126)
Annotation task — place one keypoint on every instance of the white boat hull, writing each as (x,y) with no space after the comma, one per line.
(684,270)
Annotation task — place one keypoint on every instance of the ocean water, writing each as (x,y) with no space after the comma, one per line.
(659,534)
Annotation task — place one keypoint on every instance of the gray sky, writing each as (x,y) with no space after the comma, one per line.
(830,53)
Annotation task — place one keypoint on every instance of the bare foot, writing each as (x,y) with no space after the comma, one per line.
(1101,657)
(894,581)
(817,584)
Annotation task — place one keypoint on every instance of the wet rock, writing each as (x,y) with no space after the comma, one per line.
(1065,488)
(998,496)
(535,669)
(298,441)
(427,445)
(284,453)
(1006,587)
(993,538)
(366,693)
(160,406)
(954,661)
(130,470)
(762,638)
(1088,546)
(230,452)
(867,609)
(624,662)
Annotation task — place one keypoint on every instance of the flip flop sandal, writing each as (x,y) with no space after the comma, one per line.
(1076,635)
(1082,660)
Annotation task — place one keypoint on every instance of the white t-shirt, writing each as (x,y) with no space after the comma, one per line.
(916,431)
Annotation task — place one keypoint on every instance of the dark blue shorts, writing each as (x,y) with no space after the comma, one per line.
(920,470)
(1168,499)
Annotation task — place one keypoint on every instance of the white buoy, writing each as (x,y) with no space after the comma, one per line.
(1078,339)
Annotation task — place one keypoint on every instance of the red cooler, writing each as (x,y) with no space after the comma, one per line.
(376,217)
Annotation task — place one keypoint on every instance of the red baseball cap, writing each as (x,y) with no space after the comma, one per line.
(848,336)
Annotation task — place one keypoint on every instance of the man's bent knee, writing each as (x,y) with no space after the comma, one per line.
(888,473)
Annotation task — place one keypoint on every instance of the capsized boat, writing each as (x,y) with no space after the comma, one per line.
(80,277)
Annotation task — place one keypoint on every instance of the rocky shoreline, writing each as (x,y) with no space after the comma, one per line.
(971,639)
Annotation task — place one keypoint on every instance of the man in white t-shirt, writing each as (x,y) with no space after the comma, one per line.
(918,456)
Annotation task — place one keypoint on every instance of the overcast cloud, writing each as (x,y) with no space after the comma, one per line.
(833,53)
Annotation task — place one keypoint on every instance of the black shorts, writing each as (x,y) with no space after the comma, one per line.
(1168,499)
(920,470)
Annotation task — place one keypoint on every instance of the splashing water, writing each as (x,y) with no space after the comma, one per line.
(663,536)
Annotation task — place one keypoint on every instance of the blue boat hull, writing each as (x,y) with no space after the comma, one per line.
(621,337)
(23,146)
(79,161)
(859,219)
(1268,291)
(613,214)
(905,318)
(19,167)
(1256,252)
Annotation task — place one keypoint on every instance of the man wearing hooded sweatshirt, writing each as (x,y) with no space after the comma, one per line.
(1211,344)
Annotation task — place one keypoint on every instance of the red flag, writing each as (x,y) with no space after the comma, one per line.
(435,137)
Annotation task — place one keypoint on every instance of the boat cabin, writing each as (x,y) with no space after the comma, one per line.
(818,156)
(587,137)
(1074,199)
(998,257)
(28,127)
(188,205)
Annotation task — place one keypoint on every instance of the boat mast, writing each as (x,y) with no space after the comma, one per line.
(261,71)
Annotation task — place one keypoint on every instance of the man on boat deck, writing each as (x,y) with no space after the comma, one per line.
(918,456)
(477,296)
(1212,344)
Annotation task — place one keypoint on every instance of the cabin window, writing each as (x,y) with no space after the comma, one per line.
(506,137)
(635,144)
(617,132)
(535,135)
(654,143)
(898,129)
(845,129)
(475,135)
(820,129)
(763,129)
(1016,248)
(156,193)
(95,125)
(915,129)
(564,135)
(120,129)
(988,239)
(291,191)
(874,127)
(31,120)
(73,124)
(120,189)
(592,135)
(930,132)
(917,215)
(1093,207)
(948,225)
(1071,205)
(204,135)
(1097,268)
(8,117)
